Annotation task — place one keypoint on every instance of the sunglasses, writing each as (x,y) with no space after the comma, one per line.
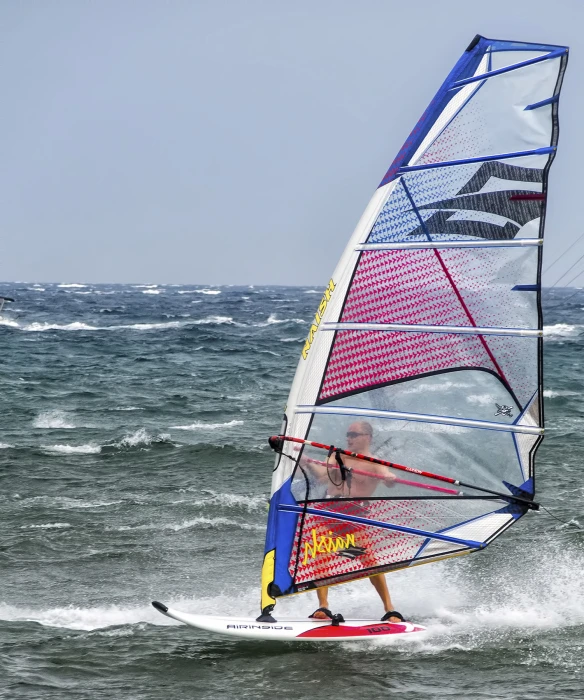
(351,434)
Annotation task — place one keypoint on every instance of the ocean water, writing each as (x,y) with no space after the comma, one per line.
(134,467)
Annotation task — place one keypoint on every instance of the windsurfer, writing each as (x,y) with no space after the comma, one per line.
(358,485)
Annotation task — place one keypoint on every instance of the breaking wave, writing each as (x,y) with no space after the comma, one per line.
(251,504)
(54,419)
(206,426)
(273,320)
(140,438)
(72,449)
(561,330)
(200,521)
(76,326)
(64,502)
(214,320)
(553,394)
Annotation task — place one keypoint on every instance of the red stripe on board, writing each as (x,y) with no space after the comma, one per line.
(381,628)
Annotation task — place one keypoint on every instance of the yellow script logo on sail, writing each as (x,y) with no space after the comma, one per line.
(324,544)
(318,318)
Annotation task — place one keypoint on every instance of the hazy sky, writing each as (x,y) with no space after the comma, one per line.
(233,142)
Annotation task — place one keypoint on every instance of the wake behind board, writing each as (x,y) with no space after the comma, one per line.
(291,630)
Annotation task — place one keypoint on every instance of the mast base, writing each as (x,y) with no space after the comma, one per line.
(266,615)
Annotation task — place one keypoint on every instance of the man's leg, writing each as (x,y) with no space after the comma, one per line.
(380,585)
(322,594)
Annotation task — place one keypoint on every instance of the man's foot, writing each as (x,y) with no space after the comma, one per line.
(322,614)
(392,616)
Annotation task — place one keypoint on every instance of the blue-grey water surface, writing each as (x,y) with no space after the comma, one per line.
(134,466)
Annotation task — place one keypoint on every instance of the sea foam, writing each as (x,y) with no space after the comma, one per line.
(206,426)
(54,419)
(72,449)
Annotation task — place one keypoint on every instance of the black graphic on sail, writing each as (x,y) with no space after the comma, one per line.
(518,206)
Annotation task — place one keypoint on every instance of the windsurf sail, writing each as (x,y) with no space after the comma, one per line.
(423,363)
(3,300)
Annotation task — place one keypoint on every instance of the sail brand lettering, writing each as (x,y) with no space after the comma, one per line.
(318,318)
(258,627)
(324,544)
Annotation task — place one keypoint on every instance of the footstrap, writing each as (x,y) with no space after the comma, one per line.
(392,613)
(326,611)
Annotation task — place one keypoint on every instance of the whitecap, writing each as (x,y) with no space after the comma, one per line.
(149,326)
(144,286)
(206,426)
(5,446)
(229,500)
(77,618)
(8,322)
(151,291)
(72,449)
(273,320)
(141,437)
(188,524)
(46,526)
(481,399)
(54,419)
(72,285)
(66,503)
(214,320)
(76,326)
(208,291)
(561,330)
(553,394)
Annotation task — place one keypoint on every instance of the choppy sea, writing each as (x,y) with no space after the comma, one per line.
(134,466)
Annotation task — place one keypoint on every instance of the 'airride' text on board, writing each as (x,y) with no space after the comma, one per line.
(318,318)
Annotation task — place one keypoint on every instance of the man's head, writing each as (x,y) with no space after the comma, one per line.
(359,436)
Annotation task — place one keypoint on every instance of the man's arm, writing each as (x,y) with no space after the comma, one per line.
(315,469)
(385,474)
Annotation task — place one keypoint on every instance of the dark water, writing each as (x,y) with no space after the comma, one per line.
(134,467)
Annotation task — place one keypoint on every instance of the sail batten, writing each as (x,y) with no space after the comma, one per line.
(426,348)
(424,418)
(534,333)
(421,245)
(477,159)
(506,69)
(321,513)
